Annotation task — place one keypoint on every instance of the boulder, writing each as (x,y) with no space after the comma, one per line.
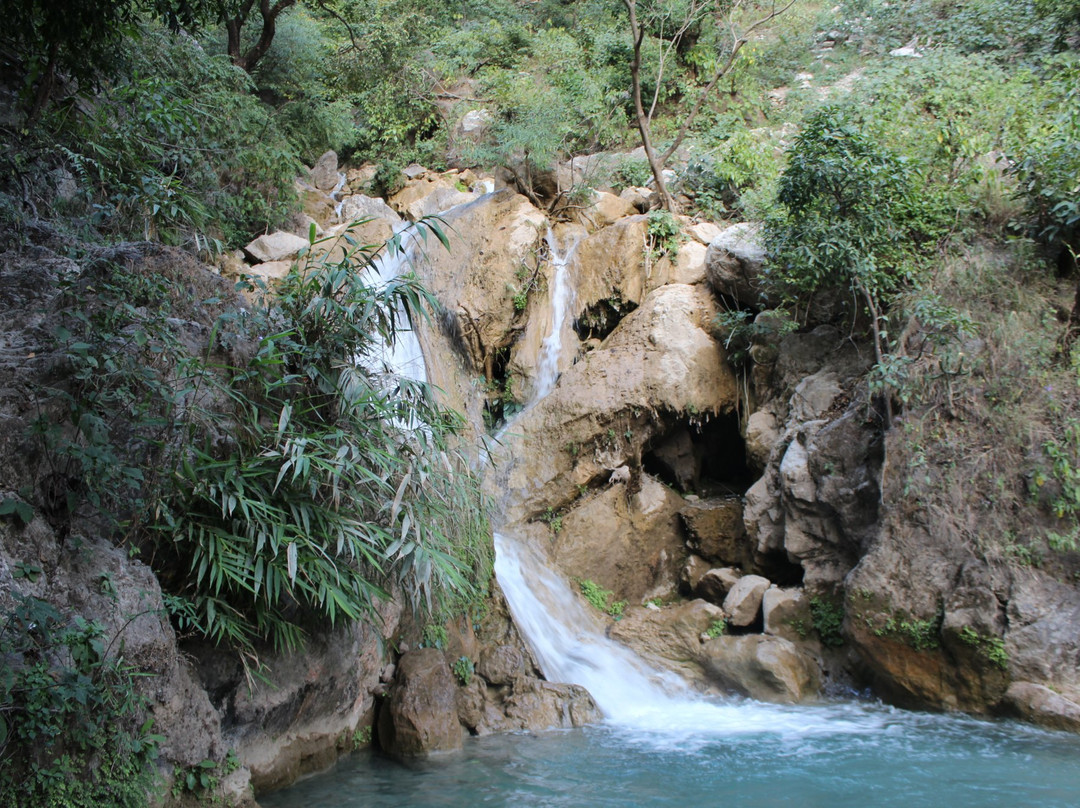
(603,209)
(715,529)
(743,602)
(275,247)
(502,665)
(786,613)
(762,667)
(359,206)
(670,637)
(610,266)
(324,174)
(1041,705)
(762,434)
(703,233)
(733,264)
(632,547)
(715,584)
(431,194)
(763,515)
(420,716)
(660,358)
(689,264)
(692,572)
(536,704)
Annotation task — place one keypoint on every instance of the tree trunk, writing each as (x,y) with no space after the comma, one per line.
(269,12)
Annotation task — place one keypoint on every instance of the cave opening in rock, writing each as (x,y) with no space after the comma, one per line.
(699,456)
(600,319)
(499,394)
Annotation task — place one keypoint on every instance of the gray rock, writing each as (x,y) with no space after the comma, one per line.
(733,263)
(324,175)
(743,602)
(784,611)
(716,583)
(276,246)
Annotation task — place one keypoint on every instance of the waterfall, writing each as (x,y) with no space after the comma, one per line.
(404,356)
(562,298)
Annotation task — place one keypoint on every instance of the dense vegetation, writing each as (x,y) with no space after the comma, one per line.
(936,192)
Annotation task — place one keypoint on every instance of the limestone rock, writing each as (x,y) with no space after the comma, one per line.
(743,602)
(420,716)
(475,122)
(795,473)
(637,197)
(604,209)
(632,550)
(549,705)
(610,265)
(1041,705)
(733,263)
(275,247)
(431,194)
(715,584)
(762,667)
(672,636)
(763,515)
(660,358)
(814,396)
(359,206)
(785,612)
(689,264)
(692,572)
(762,434)
(501,665)
(324,175)
(269,271)
(715,529)
(704,232)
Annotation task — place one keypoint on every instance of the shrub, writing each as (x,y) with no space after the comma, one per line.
(67,696)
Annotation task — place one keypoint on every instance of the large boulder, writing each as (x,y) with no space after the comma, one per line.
(324,174)
(432,194)
(420,716)
(715,529)
(631,545)
(762,667)
(733,264)
(671,636)
(277,246)
(743,602)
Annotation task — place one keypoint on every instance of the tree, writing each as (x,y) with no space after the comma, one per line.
(78,39)
(850,217)
(679,18)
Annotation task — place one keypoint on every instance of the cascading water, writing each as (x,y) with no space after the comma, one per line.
(562,298)
(404,356)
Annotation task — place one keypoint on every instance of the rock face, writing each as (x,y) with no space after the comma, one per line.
(421,715)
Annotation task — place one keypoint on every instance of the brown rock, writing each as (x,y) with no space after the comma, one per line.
(715,529)
(786,613)
(324,175)
(716,583)
(1041,705)
(502,665)
(421,714)
(766,668)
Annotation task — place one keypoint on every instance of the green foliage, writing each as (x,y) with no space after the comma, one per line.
(66,694)
(632,172)
(155,158)
(663,233)
(337,477)
(1064,455)
(601,598)
(991,648)
(827,617)
(922,635)
(717,628)
(553,519)
(740,330)
(1050,164)
(849,214)
(463,670)
(10,506)
(434,636)
(718,180)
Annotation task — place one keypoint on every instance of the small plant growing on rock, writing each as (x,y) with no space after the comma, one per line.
(433,637)
(553,519)
(663,230)
(463,670)
(601,598)
(717,628)
(828,619)
(990,648)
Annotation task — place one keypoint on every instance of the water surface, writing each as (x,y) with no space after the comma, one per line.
(873,757)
